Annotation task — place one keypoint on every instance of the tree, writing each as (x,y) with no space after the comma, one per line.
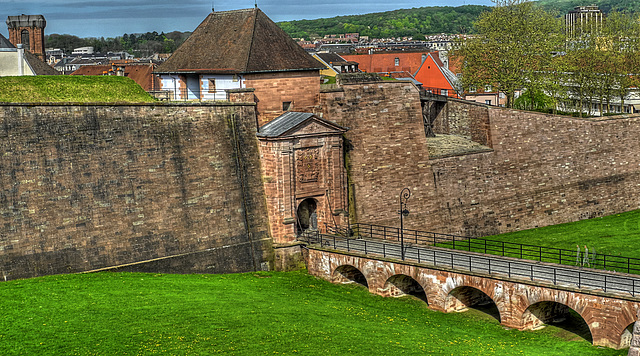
(513,48)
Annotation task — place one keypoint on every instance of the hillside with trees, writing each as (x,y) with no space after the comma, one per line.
(415,22)
(140,45)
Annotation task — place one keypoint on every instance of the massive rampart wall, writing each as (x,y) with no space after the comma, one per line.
(543,169)
(85,187)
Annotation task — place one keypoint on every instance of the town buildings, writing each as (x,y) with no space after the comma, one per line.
(583,18)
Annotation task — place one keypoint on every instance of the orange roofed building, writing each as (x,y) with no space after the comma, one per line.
(425,67)
(437,78)
(141,73)
(387,62)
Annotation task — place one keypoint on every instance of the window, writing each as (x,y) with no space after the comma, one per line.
(472,89)
(24,38)
(212,85)
(444,92)
(287,105)
(397,61)
(488,101)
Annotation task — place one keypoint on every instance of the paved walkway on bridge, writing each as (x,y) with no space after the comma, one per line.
(586,279)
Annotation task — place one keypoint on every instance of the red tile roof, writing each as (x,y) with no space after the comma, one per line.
(385,61)
(140,73)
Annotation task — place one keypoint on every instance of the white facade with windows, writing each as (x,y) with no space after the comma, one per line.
(200,86)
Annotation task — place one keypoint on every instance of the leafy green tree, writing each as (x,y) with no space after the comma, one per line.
(535,100)
(514,44)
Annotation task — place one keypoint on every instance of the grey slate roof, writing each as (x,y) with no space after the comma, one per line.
(331,57)
(4,42)
(290,120)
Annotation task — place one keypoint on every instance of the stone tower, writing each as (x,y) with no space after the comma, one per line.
(28,30)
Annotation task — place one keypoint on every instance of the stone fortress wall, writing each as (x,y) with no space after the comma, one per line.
(85,187)
(180,188)
(542,169)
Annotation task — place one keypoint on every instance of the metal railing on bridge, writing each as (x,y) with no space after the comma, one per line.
(604,281)
(499,248)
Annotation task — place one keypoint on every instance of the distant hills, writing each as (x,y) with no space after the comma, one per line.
(417,22)
(414,22)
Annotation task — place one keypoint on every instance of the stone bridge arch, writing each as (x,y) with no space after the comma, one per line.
(346,274)
(549,312)
(458,292)
(400,285)
(626,336)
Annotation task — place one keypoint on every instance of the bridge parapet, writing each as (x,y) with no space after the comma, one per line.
(520,303)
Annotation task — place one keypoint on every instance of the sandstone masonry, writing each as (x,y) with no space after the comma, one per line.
(85,187)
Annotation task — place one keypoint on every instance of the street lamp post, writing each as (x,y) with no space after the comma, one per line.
(405,194)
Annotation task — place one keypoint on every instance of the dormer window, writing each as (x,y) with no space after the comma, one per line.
(397,61)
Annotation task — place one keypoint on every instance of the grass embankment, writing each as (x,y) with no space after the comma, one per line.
(613,235)
(245,314)
(616,234)
(76,89)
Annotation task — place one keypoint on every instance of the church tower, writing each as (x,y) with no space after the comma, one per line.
(28,30)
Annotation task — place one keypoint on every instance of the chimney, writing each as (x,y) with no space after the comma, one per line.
(20,59)
(120,72)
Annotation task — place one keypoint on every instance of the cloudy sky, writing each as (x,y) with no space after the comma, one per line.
(113,18)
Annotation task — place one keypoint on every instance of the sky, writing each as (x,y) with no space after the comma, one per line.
(84,18)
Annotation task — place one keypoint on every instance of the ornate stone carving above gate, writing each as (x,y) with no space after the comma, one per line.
(308,164)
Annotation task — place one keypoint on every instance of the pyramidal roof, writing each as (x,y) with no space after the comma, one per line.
(238,41)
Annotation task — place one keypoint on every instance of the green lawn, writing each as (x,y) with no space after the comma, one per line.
(246,314)
(77,89)
(614,235)
(617,234)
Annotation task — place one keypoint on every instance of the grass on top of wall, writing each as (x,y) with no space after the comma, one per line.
(74,89)
(247,314)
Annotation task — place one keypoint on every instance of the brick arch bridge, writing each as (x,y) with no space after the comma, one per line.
(522,304)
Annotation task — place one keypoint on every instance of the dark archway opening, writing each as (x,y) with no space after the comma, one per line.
(400,285)
(572,325)
(349,274)
(307,218)
(464,298)
(627,335)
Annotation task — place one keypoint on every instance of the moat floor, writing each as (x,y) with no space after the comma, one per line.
(451,145)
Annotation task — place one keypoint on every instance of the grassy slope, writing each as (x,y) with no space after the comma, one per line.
(82,89)
(245,314)
(613,235)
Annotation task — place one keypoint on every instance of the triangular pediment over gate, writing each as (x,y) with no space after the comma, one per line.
(296,124)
